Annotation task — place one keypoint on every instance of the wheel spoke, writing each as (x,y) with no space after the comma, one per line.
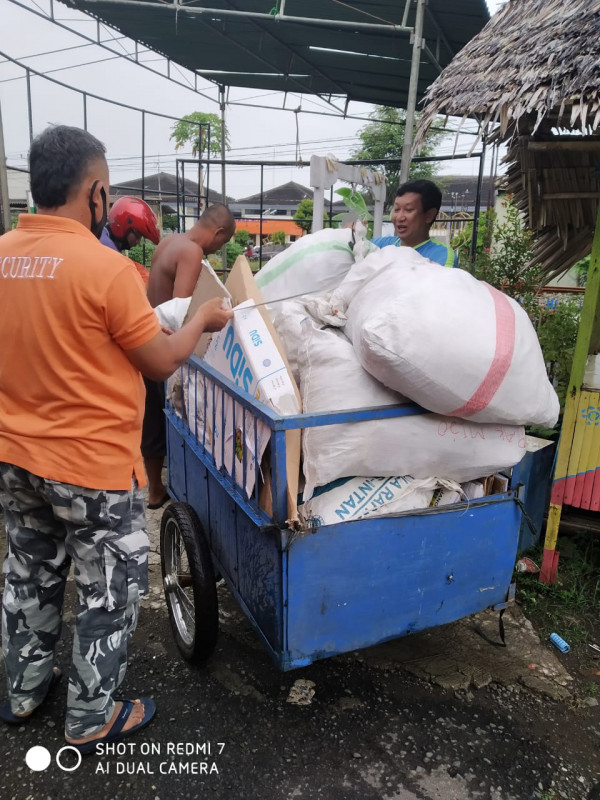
(185,604)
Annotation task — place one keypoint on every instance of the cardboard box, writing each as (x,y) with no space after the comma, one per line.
(240,287)
(245,353)
(208,285)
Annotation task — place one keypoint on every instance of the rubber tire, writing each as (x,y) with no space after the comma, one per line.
(206,607)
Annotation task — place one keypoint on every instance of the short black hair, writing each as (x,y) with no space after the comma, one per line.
(58,161)
(218,215)
(431,196)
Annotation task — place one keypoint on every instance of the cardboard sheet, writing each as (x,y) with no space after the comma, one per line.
(241,286)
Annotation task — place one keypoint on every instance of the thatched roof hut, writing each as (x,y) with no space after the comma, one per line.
(532,79)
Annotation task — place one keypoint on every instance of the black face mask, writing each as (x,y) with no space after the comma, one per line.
(98,225)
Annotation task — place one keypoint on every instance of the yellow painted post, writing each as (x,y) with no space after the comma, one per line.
(587,340)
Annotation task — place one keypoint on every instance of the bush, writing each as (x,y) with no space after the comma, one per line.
(142,253)
(462,241)
(503,264)
(242,238)
(557,331)
(169,222)
(233,251)
(278,237)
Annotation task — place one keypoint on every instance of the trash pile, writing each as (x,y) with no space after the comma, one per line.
(362,328)
(394,329)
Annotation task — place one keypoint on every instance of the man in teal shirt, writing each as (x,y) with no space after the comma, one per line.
(415,209)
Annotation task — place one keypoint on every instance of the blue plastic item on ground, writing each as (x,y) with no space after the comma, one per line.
(559,642)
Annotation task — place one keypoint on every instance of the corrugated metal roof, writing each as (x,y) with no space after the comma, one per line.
(354,49)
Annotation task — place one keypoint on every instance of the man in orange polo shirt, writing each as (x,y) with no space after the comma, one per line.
(77,331)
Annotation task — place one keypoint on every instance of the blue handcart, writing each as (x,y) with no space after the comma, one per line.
(316,592)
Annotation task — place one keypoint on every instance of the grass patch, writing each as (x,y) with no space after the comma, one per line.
(571,606)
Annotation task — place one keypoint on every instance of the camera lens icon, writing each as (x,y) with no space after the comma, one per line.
(38,758)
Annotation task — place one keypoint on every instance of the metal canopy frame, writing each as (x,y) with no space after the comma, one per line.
(383,52)
(360,50)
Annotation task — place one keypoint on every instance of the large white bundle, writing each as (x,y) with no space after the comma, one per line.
(451,343)
(171,313)
(331,378)
(316,262)
(330,308)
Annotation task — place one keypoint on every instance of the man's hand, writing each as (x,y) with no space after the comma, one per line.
(161,356)
(216,313)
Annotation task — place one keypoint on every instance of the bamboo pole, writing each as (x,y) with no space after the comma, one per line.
(590,319)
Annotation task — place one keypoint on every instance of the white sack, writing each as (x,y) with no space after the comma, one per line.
(426,445)
(451,343)
(356,498)
(287,318)
(171,314)
(330,308)
(316,262)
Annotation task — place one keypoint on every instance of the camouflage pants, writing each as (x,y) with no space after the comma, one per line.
(50,525)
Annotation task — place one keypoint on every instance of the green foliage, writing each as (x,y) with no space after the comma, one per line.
(278,237)
(188,132)
(169,222)
(242,238)
(581,270)
(504,263)
(383,138)
(142,253)
(356,203)
(304,215)
(233,251)
(462,241)
(557,332)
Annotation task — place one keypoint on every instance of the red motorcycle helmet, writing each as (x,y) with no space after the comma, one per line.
(129,213)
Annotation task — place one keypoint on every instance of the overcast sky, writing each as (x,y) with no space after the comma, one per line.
(254,133)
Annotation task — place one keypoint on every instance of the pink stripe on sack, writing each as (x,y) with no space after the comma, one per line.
(505,348)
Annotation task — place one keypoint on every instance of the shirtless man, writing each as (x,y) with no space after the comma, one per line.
(177,260)
(176,265)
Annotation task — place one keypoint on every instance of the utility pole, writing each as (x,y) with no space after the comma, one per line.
(5,222)
(223,192)
(417,42)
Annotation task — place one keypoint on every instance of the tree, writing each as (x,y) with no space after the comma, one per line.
(189,131)
(242,238)
(278,237)
(233,251)
(384,138)
(169,222)
(304,215)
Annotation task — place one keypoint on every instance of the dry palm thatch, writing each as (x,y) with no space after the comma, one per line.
(534,71)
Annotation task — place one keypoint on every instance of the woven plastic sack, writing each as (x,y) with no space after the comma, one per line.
(453,344)
(356,498)
(425,445)
(316,262)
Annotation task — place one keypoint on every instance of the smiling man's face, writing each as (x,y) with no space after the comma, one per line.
(411,223)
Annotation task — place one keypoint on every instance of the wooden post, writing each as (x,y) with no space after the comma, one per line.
(587,339)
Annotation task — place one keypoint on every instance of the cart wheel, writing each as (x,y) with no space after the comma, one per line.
(189,582)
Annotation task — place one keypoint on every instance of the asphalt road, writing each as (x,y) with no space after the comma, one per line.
(373,729)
